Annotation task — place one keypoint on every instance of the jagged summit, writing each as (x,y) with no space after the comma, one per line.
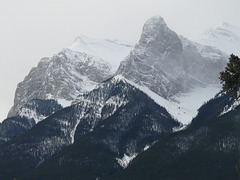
(152,26)
(154,22)
(158,37)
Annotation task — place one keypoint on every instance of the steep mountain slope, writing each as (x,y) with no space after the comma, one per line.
(29,115)
(122,119)
(202,62)
(225,37)
(152,58)
(208,149)
(168,65)
(114,142)
(172,67)
(74,70)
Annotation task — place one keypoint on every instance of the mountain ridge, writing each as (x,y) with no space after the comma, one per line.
(115,105)
(224,36)
(69,73)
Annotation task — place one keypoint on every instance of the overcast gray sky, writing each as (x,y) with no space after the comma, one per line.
(32,29)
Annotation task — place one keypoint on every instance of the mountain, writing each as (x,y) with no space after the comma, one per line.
(207,149)
(72,71)
(114,120)
(225,37)
(30,114)
(59,80)
(158,49)
(172,66)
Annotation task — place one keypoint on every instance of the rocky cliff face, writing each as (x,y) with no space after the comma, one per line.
(153,58)
(63,76)
(72,71)
(202,62)
(168,64)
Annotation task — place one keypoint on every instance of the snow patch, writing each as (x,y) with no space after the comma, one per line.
(72,133)
(180,128)
(124,162)
(146,147)
(230,108)
(64,103)
(31,114)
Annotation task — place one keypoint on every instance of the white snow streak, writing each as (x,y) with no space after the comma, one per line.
(185,107)
(146,147)
(230,108)
(31,114)
(124,162)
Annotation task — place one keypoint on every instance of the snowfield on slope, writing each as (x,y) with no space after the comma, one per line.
(185,106)
(111,51)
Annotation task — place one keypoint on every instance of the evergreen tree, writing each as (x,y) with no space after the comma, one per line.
(230,78)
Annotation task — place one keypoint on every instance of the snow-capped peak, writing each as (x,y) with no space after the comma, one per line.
(154,21)
(111,51)
(227,27)
(153,28)
(224,36)
(74,70)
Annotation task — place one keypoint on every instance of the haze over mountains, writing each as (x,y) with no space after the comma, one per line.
(88,111)
(225,37)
